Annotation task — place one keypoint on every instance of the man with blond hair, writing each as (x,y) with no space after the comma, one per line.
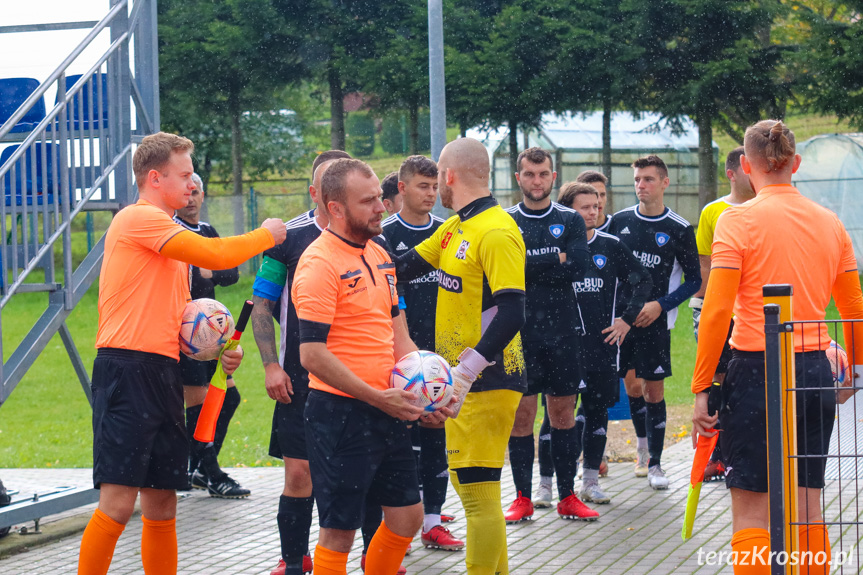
(139,433)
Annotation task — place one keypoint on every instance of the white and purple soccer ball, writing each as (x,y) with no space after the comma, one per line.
(207,325)
(426,374)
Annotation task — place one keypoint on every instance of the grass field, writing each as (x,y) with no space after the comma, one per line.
(46,421)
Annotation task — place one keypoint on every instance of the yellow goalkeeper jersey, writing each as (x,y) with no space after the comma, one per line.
(707,224)
(479,253)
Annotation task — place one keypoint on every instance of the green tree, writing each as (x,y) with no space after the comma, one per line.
(399,76)
(714,61)
(220,60)
(832,58)
(600,64)
(339,35)
(502,76)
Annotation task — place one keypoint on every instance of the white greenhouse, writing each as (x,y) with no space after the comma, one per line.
(832,174)
(575,141)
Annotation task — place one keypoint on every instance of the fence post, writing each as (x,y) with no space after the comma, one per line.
(253,220)
(781,426)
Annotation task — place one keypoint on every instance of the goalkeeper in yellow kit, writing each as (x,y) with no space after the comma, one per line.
(480,256)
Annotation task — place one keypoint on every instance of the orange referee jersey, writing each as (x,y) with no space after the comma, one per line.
(352,289)
(141,292)
(779,237)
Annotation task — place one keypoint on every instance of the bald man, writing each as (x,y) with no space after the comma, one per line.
(480,256)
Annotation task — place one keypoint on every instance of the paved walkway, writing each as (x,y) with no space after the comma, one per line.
(638,533)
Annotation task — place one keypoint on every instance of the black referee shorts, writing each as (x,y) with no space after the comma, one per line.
(288,433)
(647,350)
(357,452)
(196,373)
(742,419)
(139,429)
(553,366)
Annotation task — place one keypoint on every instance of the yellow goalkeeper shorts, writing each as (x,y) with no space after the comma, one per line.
(479,435)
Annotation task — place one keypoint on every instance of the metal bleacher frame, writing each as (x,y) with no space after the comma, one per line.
(90,171)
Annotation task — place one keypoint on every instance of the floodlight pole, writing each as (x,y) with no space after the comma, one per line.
(437,91)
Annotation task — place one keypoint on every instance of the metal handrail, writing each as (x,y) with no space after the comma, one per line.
(61,69)
(49,118)
(49,244)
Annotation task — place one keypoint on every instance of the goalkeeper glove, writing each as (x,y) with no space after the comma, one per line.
(471,363)
(695,304)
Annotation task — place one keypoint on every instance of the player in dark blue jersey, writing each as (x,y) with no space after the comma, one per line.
(600,182)
(546,466)
(665,245)
(556,244)
(204,470)
(417,184)
(611,265)
(391,197)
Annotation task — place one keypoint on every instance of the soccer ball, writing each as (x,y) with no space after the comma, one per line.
(428,375)
(207,325)
(838,363)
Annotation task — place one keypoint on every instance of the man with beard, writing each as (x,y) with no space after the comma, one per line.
(480,308)
(556,244)
(359,449)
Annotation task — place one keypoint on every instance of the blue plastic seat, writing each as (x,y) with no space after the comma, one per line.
(13,93)
(89,102)
(24,184)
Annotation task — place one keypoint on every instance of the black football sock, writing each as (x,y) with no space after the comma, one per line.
(372,520)
(434,471)
(192,415)
(639,414)
(295,522)
(521,454)
(232,401)
(655,431)
(209,463)
(565,464)
(595,436)
(546,465)
(579,438)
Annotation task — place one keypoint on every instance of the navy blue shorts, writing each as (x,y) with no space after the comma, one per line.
(743,422)
(139,427)
(647,350)
(553,366)
(288,432)
(357,452)
(601,388)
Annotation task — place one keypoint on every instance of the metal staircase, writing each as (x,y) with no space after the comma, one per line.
(76,159)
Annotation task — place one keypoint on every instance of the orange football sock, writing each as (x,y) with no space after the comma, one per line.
(329,562)
(386,551)
(814,539)
(97,544)
(159,546)
(752,552)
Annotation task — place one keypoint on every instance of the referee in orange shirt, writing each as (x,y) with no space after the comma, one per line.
(139,431)
(779,237)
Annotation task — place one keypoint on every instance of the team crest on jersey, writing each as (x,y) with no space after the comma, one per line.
(462,250)
(556,230)
(600,260)
(445,241)
(661,239)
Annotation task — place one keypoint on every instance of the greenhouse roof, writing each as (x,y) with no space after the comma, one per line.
(647,131)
